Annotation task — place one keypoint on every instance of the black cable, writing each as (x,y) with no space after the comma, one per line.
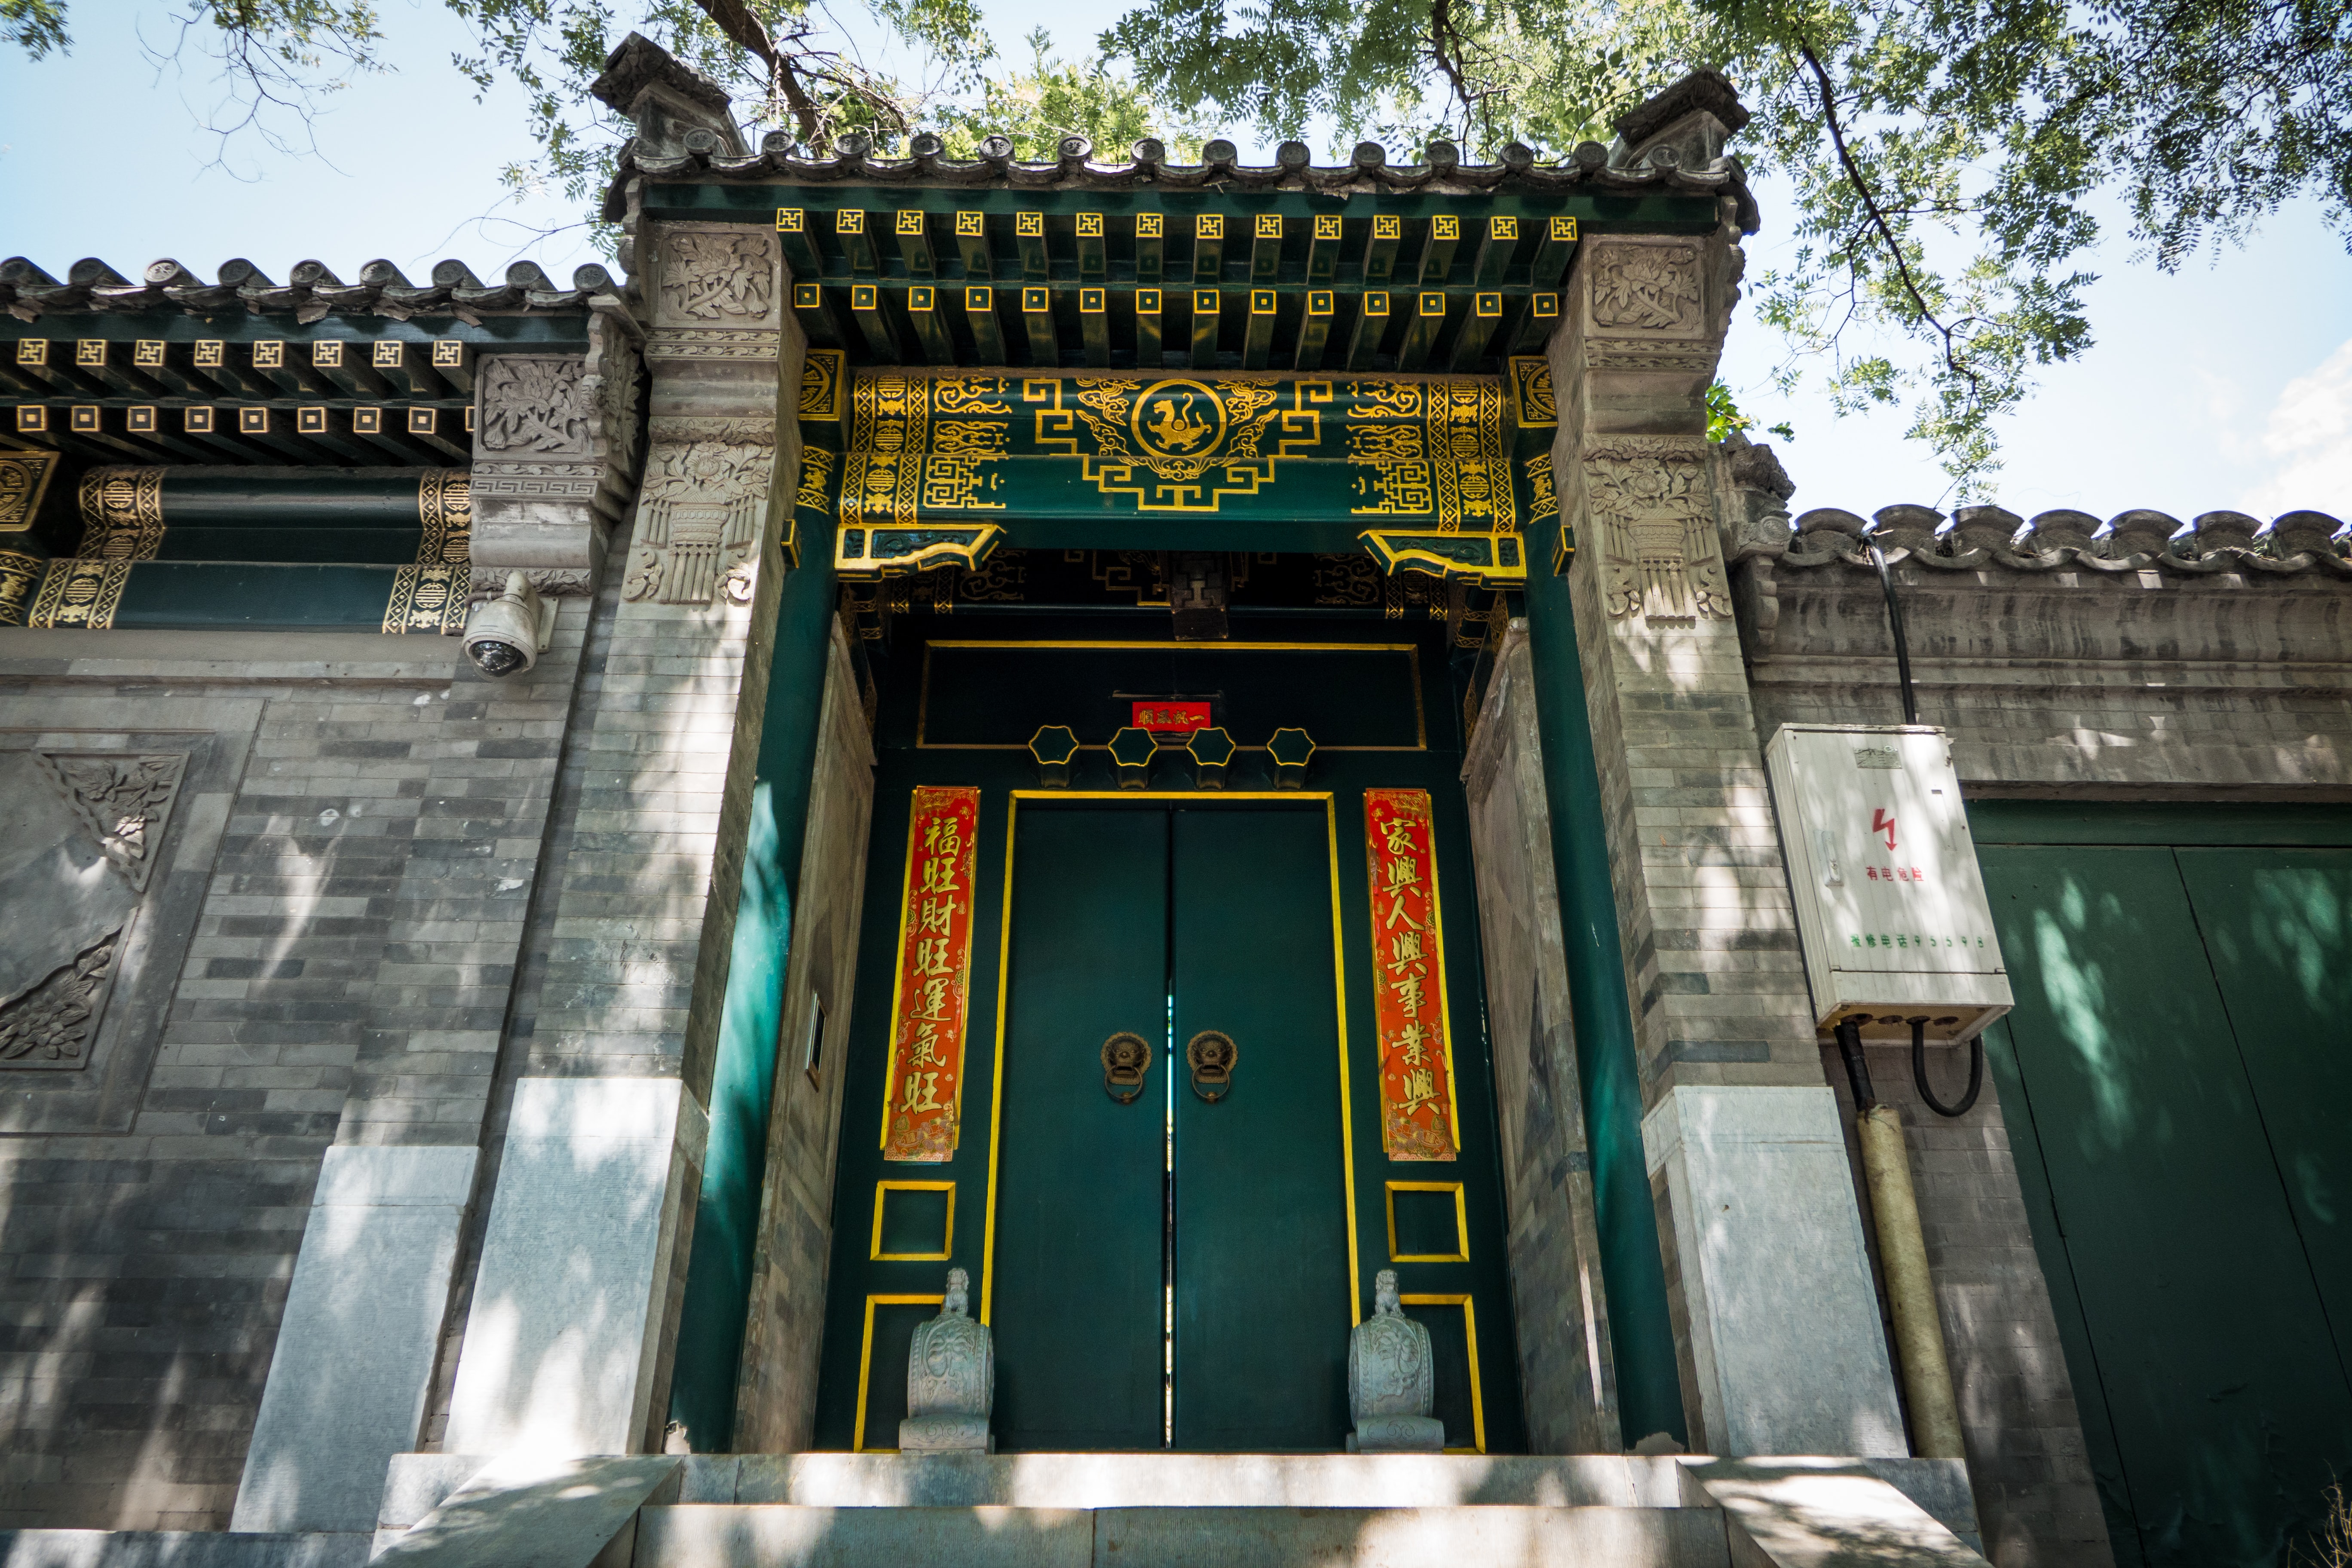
(1920,1071)
(1857,1070)
(1894,625)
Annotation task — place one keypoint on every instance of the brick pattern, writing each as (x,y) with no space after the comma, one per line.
(346,981)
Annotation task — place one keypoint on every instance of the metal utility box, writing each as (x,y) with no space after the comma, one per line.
(1890,905)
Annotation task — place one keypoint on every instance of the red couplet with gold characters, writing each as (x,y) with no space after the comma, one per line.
(934,977)
(1409,1012)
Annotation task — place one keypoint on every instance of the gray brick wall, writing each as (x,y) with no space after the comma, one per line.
(345,979)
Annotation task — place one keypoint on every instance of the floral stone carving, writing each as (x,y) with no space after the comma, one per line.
(717,278)
(82,836)
(1647,288)
(532,405)
(1659,557)
(698,522)
(951,1380)
(1391,1380)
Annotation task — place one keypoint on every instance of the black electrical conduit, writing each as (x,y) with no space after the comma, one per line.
(1849,1034)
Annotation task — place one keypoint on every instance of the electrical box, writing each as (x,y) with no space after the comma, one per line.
(1890,905)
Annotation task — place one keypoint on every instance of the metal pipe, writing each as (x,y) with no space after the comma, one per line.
(1910,1286)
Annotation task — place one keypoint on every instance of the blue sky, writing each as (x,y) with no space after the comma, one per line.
(2226,385)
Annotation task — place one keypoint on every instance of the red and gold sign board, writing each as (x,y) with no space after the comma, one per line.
(1170,718)
(1408,1012)
(933,997)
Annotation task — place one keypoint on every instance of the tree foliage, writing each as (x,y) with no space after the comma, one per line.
(1946,155)
(1038,105)
(1947,158)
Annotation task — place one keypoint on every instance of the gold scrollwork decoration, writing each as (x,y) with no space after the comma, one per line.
(24,481)
(1533,407)
(863,554)
(1479,559)
(823,377)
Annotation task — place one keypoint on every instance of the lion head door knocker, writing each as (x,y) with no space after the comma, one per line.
(1211,1055)
(1126,1060)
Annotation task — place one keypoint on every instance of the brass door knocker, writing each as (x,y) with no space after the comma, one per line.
(1212,1057)
(1126,1058)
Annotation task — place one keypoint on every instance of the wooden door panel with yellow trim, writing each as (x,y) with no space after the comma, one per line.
(1074,1272)
(1260,1213)
(1162,913)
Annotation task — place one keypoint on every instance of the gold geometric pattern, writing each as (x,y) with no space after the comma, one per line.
(80,593)
(445,506)
(428,599)
(1455,454)
(122,513)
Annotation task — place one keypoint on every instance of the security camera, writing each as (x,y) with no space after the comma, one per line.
(508,633)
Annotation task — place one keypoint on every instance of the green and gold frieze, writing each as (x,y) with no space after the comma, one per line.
(1425,453)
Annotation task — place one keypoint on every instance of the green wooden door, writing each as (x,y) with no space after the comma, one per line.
(2173,1077)
(1171,1271)
(1261,1223)
(1206,1240)
(1075,1286)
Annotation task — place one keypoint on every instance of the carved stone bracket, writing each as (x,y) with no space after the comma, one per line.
(555,446)
(1650,499)
(699,522)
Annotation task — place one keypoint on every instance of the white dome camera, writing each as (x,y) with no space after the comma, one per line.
(508,633)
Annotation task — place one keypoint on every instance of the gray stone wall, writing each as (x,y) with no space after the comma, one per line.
(345,980)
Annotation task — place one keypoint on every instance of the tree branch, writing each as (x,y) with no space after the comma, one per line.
(1877,218)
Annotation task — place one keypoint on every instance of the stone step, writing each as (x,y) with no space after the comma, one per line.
(785,1535)
(1163,1480)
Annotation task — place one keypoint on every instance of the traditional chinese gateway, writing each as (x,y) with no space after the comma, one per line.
(1113,861)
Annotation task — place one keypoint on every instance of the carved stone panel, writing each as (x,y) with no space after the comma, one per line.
(699,522)
(1649,502)
(533,406)
(717,293)
(1647,288)
(1651,303)
(103,864)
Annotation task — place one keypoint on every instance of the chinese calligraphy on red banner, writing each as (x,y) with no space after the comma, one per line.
(934,984)
(1166,718)
(1409,1014)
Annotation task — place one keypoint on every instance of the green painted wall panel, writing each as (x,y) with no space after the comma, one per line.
(2277,925)
(2206,1337)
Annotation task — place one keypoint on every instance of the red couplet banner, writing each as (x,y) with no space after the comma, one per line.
(933,1000)
(1409,1012)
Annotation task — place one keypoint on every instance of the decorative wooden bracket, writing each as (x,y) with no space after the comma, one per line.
(1480,560)
(864,554)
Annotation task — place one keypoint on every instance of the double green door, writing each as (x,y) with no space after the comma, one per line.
(1171,1270)
(2175,1079)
